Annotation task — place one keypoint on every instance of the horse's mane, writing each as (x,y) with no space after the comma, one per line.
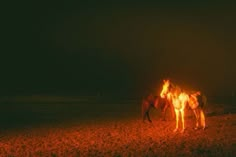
(176,88)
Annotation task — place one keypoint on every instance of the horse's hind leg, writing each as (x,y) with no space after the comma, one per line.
(196,113)
(164,115)
(144,116)
(144,110)
(182,119)
(202,118)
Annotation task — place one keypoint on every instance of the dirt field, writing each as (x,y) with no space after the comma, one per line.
(118,135)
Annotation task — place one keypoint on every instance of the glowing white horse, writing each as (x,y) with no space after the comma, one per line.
(180,100)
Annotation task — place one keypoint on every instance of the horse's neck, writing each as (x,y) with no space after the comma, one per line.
(175,92)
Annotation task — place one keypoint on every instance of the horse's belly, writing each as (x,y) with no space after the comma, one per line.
(178,105)
(193,104)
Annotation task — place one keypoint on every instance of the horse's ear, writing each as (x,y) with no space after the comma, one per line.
(172,85)
(166,80)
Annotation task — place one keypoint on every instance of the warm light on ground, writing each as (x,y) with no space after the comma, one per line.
(122,137)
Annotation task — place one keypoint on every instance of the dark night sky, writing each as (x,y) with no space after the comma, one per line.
(125,47)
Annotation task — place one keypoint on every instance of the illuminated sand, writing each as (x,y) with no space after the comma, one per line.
(123,136)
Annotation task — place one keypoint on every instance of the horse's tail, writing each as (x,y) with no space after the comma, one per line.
(202,104)
(204,100)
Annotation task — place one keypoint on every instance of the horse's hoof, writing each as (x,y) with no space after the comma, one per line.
(182,131)
(175,129)
(196,128)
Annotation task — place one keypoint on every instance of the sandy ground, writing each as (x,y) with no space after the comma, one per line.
(123,135)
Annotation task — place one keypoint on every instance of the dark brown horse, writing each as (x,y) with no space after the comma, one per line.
(158,103)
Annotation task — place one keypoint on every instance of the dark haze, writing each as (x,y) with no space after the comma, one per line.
(124,48)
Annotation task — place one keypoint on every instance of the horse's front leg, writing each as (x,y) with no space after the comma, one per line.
(172,111)
(177,120)
(164,112)
(182,118)
(148,117)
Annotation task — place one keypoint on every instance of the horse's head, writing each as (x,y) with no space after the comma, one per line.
(165,88)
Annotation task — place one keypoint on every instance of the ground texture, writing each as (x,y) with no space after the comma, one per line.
(123,135)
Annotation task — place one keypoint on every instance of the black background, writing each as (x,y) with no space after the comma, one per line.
(119,48)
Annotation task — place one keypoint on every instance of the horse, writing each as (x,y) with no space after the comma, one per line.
(155,102)
(180,100)
(197,102)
